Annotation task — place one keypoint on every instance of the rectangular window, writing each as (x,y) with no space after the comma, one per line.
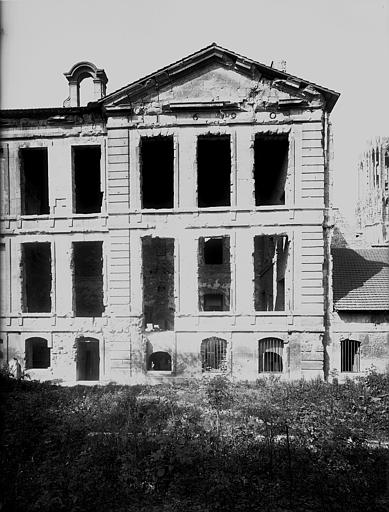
(214,274)
(213,170)
(158,283)
(36,276)
(270,169)
(270,263)
(157,172)
(87,195)
(88,279)
(34,181)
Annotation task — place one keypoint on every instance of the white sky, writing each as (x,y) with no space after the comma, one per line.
(339,44)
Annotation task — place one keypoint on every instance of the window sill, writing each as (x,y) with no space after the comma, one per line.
(159,372)
(39,315)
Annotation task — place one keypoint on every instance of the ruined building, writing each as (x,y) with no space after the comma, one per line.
(178,226)
(373,192)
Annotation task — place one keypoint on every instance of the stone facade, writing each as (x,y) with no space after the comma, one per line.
(212,213)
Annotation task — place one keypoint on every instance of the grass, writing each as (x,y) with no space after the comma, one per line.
(204,446)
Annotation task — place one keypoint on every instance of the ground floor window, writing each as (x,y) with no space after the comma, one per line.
(270,355)
(213,354)
(159,361)
(88,359)
(37,353)
(350,356)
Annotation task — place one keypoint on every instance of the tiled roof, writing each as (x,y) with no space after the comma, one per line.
(361,279)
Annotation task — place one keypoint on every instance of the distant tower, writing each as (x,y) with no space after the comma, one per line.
(77,74)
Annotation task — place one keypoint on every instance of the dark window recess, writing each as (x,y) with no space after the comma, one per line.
(213,354)
(158,283)
(36,272)
(159,361)
(87,359)
(349,356)
(213,251)
(214,274)
(88,278)
(157,171)
(270,355)
(270,263)
(86,179)
(270,169)
(34,181)
(213,170)
(37,353)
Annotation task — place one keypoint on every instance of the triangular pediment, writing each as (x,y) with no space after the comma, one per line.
(216,76)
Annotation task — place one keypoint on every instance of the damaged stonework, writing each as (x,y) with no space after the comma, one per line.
(184,215)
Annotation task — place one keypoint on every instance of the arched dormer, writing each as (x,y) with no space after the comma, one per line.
(77,74)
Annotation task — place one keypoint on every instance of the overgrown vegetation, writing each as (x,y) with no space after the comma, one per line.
(202,446)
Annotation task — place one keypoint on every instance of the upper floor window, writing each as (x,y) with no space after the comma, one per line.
(36,277)
(270,264)
(270,169)
(34,181)
(157,172)
(87,194)
(214,273)
(213,170)
(88,279)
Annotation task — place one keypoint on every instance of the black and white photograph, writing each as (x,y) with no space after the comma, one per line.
(194,256)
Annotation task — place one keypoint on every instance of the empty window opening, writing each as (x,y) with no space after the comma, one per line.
(87,359)
(213,251)
(350,356)
(37,353)
(213,354)
(158,283)
(160,361)
(270,264)
(87,195)
(270,355)
(88,279)
(213,170)
(34,181)
(270,169)
(157,172)
(214,274)
(36,276)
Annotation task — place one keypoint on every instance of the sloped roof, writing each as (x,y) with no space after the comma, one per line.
(361,279)
(208,54)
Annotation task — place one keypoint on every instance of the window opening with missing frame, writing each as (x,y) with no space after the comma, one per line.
(214,273)
(270,169)
(36,277)
(157,172)
(213,170)
(270,265)
(34,181)
(87,194)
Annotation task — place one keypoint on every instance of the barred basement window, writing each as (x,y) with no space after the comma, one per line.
(37,353)
(159,361)
(213,354)
(350,356)
(270,355)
